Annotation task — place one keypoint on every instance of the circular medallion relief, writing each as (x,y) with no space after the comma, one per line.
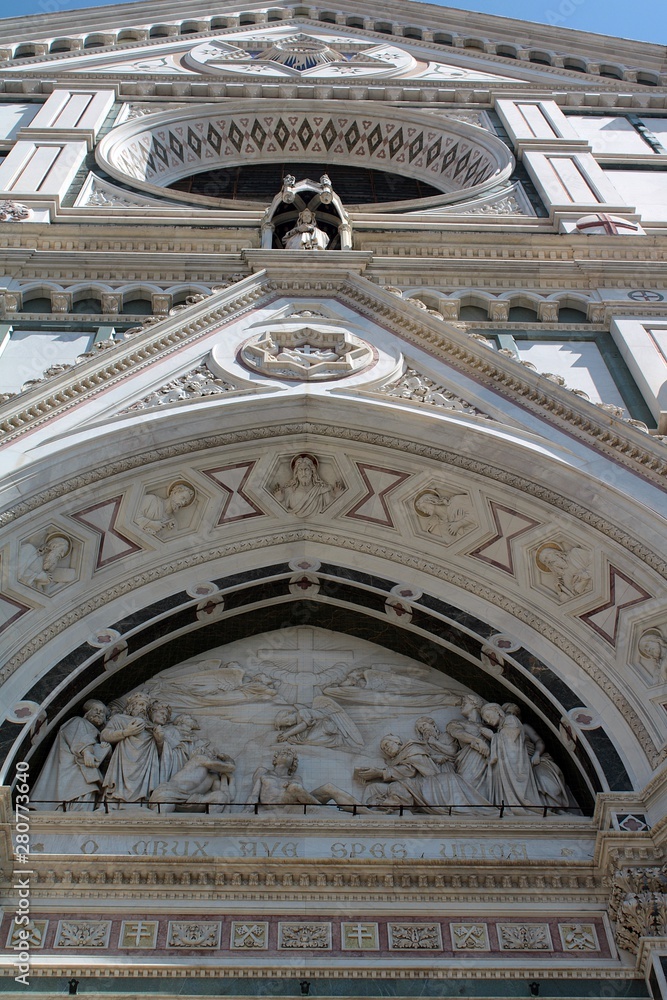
(306,354)
(299,54)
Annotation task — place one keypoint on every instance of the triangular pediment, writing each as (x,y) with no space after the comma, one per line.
(355,343)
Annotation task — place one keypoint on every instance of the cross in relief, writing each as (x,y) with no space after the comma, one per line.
(303,669)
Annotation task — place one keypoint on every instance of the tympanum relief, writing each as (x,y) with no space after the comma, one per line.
(298,719)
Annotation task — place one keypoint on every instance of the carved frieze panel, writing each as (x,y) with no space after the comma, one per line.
(358,936)
(524,937)
(469,937)
(311,936)
(249,934)
(415,937)
(75,934)
(138,934)
(193,934)
(34,932)
(579,937)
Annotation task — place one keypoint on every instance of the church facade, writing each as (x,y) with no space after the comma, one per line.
(333,412)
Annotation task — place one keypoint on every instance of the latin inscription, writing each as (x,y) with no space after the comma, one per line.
(382,850)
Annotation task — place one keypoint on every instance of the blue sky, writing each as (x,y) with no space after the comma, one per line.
(642,19)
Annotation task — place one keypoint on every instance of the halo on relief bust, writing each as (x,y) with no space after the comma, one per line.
(547,545)
(424,493)
(59,534)
(307,455)
(187,485)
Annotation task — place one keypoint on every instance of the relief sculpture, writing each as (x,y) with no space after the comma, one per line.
(160,514)
(374,730)
(306,492)
(652,653)
(444,516)
(564,568)
(46,567)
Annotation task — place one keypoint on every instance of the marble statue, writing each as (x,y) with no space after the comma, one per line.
(368,686)
(419,774)
(279,786)
(160,514)
(474,739)
(652,649)
(71,774)
(213,682)
(306,235)
(512,774)
(174,740)
(306,492)
(444,515)
(134,768)
(448,787)
(40,567)
(548,775)
(204,780)
(323,724)
(568,570)
(280,789)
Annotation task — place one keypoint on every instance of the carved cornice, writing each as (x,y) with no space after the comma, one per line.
(609,435)
(67,392)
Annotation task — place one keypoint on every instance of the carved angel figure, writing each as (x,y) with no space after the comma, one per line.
(324,724)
